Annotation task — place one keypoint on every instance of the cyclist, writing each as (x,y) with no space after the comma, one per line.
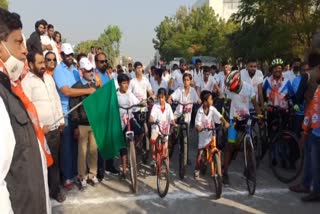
(253,77)
(126,99)
(207,116)
(176,76)
(220,79)
(162,114)
(197,73)
(185,94)
(207,82)
(159,81)
(277,89)
(240,93)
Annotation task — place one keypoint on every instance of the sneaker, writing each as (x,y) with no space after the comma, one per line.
(112,171)
(83,183)
(68,185)
(93,181)
(225,180)
(196,174)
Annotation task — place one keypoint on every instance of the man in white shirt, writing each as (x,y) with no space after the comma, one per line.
(159,81)
(23,171)
(131,72)
(197,73)
(220,80)
(40,88)
(253,77)
(176,76)
(47,40)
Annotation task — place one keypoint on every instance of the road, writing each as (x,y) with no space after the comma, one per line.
(188,196)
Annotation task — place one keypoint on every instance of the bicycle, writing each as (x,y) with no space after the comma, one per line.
(162,163)
(285,157)
(180,134)
(212,156)
(132,150)
(244,125)
(142,118)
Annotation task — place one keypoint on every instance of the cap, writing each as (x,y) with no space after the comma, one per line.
(67,49)
(85,64)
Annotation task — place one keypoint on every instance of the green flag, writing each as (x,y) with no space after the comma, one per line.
(102,110)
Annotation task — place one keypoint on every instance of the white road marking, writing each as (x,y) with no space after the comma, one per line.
(177,195)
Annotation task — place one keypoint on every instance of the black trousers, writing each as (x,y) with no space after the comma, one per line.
(54,141)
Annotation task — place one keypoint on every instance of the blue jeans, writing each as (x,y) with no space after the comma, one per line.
(312,163)
(69,152)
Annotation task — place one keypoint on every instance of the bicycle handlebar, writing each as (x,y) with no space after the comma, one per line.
(130,107)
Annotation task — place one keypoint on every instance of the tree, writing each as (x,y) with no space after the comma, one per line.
(109,41)
(193,32)
(4,4)
(271,28)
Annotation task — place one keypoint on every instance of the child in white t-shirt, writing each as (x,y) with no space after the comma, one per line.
(127,99)
(207,116)
(185,95)
(162,114)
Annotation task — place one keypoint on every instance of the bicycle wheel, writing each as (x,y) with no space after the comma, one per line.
(183,156)
(133,167)
(146,143)
(257,145)
(250,165)
(286,159)
(217,174)
(163,178)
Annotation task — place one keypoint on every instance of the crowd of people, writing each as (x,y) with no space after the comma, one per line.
(45,146)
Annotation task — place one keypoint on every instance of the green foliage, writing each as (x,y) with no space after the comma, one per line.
(195,32)
(109,41)
(271,28)
(4,4)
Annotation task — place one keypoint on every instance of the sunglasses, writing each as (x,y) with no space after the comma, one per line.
(69,55)
(103,61)
(51,60)
(89,71)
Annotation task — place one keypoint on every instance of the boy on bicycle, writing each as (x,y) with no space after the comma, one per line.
(185,95)
(207,116)
(240,94)
(161,114)
(127,99)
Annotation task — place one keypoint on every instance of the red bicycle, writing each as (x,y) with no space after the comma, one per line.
(162,163)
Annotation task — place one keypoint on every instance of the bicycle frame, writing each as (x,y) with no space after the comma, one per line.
(211,149)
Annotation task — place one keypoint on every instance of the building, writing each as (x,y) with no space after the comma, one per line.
(223,8)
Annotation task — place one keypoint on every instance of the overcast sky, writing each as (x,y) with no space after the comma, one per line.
(80,20)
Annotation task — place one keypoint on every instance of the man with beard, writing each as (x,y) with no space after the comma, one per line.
(40,88)
(253,77)
(34,41)
(65,76)
(23,168)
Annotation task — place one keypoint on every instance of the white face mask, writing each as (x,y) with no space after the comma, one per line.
(13,66)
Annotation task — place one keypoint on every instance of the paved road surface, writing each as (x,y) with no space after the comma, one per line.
(188,196)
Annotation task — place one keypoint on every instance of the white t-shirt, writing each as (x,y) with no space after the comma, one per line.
(140,87)
(254,81)
(179,95)
(166,77)
(126,100)
(132,75)
(220,78)
(164,118)
(240,103)
(206,121)
(177,79)
(156,86)
(208,86)
(45,40)
(197,77)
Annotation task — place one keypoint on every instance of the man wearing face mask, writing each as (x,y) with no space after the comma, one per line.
(65,76)
(23,164)
(40,88)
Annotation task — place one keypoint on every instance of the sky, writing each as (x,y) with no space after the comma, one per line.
(80,20)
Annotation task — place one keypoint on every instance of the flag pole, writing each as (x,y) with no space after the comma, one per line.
(66,114)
